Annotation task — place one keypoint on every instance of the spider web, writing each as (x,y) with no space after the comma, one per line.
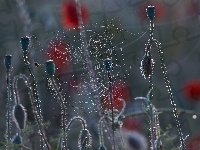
(109,41)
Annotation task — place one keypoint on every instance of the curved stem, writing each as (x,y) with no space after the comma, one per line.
(122,110)
(63,113)
(111,102)
(100,132)
(167,82)
(37,101)
(8,105)
(84,125)
(16,96)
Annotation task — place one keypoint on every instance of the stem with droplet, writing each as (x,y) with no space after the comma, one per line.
(63,109)
(8,105)
(37,101)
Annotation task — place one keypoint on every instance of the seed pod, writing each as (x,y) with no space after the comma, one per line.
(25,43)
(150,12)
(147,65)
(84,139)
(102,148)
(50,67)
(19,116)
(17,139)
(108,64)
(8,61)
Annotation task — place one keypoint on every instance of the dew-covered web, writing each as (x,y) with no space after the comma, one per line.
(109,41)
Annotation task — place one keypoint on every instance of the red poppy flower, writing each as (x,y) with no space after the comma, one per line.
(69,15)
(159,8)
(57,51)
(194,143)
(132,123)
(119,90)
(192,90)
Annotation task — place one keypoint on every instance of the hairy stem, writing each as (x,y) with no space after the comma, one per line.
(63,111)
(167,82)
(111,102)
(37,103)
(8,105)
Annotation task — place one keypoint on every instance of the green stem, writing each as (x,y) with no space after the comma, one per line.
(100,132)
(76,118)
(63,109)
(37,101)
(111,102)
(167,82)
(8,107)
(179,110)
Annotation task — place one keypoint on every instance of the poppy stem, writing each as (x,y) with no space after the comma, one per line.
(111,102)
(8,105)
(63,111)
(168,85)
(36,100)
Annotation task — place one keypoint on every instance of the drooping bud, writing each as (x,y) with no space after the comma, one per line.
(50,67)
(150,12)
(102,148)
(25,43)
(17,139)
(19,116)
(108,64)
(84,139)
(147,65)
(137,141)
(8,61)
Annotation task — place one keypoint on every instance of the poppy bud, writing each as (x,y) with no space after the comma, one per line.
(150,12)
(19,116)
(50,67)
(8,61)
(17,139)
(147,65)
(84,139)
(108,64)
(102,148)
(25,43)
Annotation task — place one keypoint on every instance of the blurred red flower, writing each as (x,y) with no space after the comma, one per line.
(194,143)
(192,90)
(58,52)
(159,8)
(119,90)
(69,15)
(132,123)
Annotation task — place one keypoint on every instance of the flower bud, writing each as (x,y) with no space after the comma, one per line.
(50,67)
(108,64)
(102,148)
(150,12)
(19,116)
(17,139)
(25,43)
(8,61)
(147,65)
